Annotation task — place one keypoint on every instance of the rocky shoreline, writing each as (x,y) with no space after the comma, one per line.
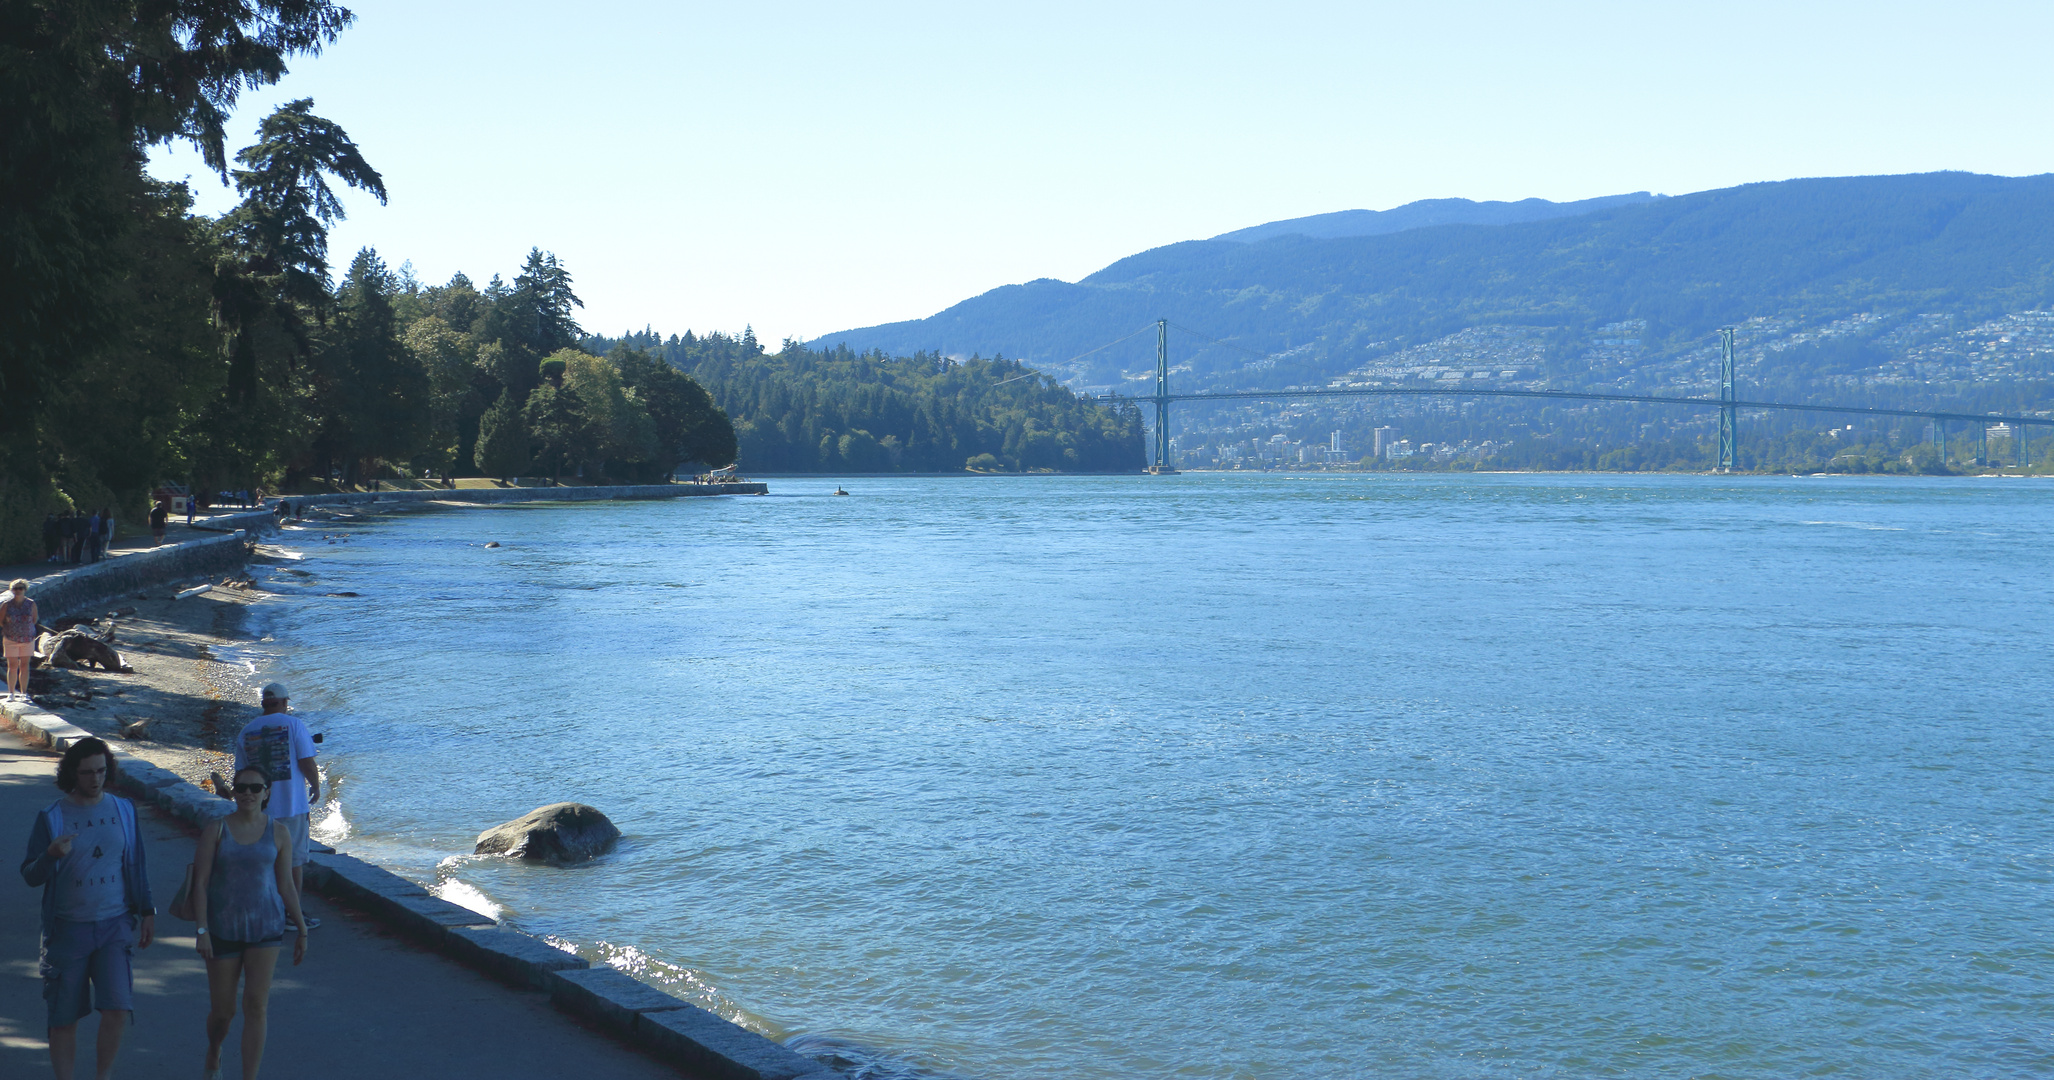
(186,686)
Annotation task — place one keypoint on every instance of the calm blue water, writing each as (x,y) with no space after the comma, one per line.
(1243,776)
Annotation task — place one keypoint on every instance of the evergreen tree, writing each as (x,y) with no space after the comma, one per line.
(448,359)
(384,388)
(558,436)
(277,238)
(85,89)
(503,438)
(689,429)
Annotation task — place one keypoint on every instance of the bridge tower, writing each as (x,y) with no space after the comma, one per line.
(1162,465)
(1728,415)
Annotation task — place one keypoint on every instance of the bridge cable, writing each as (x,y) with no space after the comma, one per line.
(1110,344)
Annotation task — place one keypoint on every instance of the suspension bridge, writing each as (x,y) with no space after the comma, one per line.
(1729,403)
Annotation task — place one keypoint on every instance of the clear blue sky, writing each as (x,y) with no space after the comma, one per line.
(810,167)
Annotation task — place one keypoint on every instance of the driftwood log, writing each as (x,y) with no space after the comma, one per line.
(76,648)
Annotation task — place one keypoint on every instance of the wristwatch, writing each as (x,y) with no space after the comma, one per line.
(148,913)
(200,931)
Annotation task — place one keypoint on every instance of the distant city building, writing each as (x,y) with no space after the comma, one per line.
(1384,436)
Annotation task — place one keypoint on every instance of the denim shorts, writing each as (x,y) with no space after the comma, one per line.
(225,947)
(87,966)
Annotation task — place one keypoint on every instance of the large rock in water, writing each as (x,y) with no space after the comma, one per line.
(558,834)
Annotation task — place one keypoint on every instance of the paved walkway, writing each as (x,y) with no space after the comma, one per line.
(364,1004)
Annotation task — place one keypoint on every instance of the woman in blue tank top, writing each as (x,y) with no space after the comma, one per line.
(245,861)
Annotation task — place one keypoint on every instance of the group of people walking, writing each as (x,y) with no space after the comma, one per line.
(75,537)
(87,854)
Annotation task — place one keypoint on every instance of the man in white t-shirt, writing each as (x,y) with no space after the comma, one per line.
(279,746)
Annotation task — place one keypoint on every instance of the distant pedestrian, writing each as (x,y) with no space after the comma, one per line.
(106,530)
(92,550)
(160,516)
(245,860)
(86,852)
(279,746)
(18,637)
(51,537)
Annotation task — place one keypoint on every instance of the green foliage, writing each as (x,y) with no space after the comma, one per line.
(559,438)
(802,410)
(617,426)
(114,415)
(503,438)
(688,428)
(85,87)
(447,360)
(275,262)
(383,389)
(141,343)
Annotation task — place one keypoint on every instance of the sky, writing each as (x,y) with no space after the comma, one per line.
(803,168)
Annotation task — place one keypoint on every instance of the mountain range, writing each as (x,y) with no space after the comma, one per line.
(1315,299)
(1417,215)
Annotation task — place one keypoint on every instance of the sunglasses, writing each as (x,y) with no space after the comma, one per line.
(250,789)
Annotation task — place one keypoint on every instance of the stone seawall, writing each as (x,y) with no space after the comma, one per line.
(255,521)
(71,591)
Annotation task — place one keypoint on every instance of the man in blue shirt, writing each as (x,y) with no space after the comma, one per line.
(86,852)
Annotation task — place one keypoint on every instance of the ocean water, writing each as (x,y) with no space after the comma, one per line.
(1222,776)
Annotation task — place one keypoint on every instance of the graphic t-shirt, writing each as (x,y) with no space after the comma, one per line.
(274,744)
(89,886)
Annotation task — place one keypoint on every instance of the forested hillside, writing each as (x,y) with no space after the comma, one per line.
(1804,252)
(1426,212)
(806,410)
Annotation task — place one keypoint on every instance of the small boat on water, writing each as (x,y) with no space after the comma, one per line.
(839,491)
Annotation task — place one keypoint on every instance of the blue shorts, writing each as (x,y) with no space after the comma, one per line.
(226,947)
(88,966)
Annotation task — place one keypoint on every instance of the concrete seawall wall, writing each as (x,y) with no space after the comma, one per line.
(70,591)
